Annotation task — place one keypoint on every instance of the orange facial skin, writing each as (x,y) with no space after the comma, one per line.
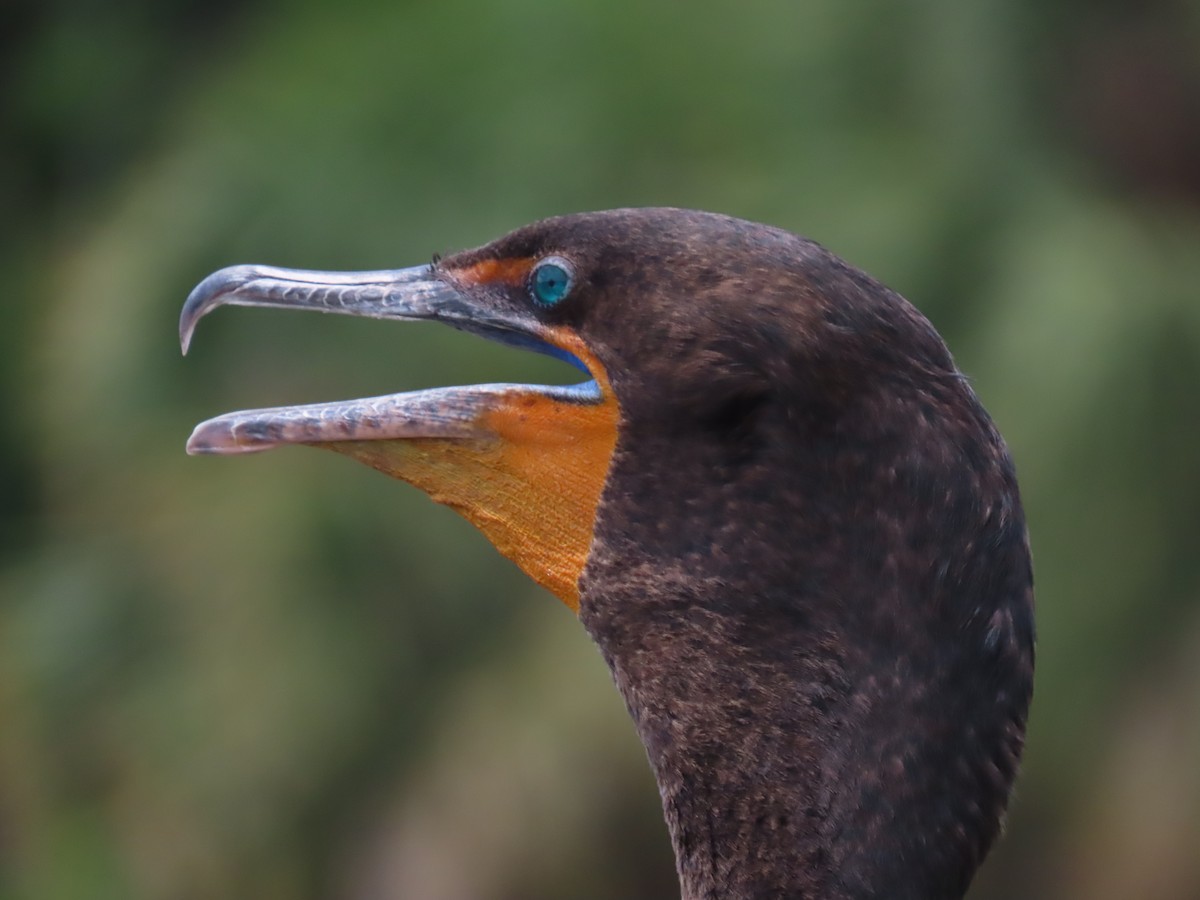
(533,484)
(511,271)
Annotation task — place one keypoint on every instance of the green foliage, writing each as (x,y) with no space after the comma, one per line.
(284,676)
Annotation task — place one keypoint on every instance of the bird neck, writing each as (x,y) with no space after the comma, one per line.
(829,714)
(797,780)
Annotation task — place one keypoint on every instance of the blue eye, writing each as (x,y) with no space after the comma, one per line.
(551,281)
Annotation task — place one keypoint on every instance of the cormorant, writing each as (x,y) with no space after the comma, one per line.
(775,504)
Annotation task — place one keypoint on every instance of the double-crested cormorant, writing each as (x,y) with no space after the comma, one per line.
(776,505)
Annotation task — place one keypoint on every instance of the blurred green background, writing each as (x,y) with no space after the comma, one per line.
(285,676)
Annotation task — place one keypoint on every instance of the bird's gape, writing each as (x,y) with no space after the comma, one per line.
(531,483)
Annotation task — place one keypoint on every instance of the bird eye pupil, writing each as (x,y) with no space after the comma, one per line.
(551,282)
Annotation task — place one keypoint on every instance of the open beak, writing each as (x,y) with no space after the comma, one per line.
(525,464)
(419,293)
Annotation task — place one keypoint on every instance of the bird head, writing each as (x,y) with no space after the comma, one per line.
(607,292)
(684,322)
(526,464)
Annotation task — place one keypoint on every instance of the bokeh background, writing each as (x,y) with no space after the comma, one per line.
(285,676)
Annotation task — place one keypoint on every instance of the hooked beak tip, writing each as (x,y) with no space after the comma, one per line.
(207,295)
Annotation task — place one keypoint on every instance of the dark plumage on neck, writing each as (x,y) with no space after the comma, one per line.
(812,586)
